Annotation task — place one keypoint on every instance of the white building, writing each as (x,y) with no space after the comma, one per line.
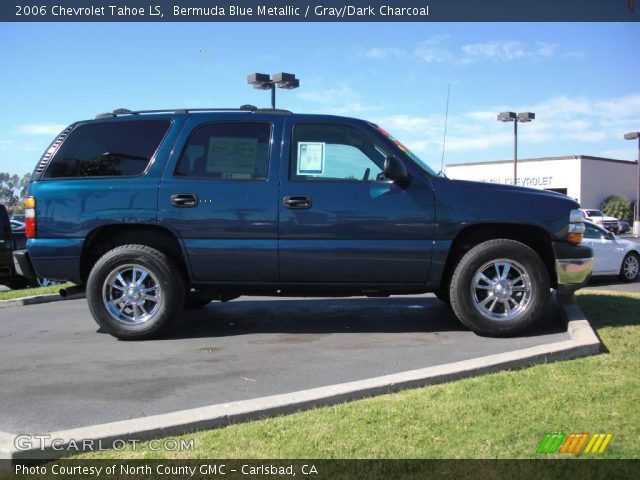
(589,180)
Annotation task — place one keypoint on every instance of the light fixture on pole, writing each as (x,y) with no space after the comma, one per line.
(636,216)
(262,81)
(522,117)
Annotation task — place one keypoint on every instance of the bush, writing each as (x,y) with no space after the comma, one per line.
(618,206)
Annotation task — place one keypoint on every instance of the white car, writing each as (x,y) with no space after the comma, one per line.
(600,219)
(612,255)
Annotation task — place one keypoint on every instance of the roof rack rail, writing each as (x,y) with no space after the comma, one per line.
(244,108)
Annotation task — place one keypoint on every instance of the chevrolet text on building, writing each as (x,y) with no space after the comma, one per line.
(154,211)
(588,180)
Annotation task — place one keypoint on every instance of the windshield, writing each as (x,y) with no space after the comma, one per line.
(411,155)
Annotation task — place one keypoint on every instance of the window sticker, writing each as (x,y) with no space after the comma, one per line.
(232,155)
(310,158)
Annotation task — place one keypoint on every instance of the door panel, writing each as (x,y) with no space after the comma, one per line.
(353,230)
(230,231)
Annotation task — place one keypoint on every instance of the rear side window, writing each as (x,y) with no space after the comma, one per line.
(108,149)
(227,151)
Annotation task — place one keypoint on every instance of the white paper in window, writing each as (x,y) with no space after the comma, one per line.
(234,157)
(310,158)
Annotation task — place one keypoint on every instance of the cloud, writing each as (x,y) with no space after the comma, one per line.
(577,125)
(379,53)
(406,123)
(340,99)
(506,51)
(630,153)
(49,129)
(438,49)
(433,50)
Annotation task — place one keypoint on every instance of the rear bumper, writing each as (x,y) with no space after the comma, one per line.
(56,258)
(22,264)
(573,266)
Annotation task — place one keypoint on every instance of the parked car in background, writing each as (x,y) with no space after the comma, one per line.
(13,237)
(600,219)
(612,255)
(10,241)
(16,226)
(624,226)
(19,217)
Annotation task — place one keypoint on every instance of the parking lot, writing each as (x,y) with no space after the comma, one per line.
(58,372)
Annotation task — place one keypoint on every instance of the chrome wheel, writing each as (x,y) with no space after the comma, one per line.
(132,294)
(630,267)
(501,290)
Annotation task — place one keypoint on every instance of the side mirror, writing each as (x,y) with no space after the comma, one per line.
(610,236)
(395,170)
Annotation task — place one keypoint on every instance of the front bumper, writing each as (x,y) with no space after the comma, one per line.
(573,266)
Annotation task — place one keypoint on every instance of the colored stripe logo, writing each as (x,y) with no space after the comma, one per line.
(574,443)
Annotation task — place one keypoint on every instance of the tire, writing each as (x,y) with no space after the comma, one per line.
(157,292)
(480,302)
(630,268)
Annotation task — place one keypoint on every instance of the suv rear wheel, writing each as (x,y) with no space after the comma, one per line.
(135,292)
(499,288)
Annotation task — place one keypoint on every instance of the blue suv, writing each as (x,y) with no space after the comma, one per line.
(155,211)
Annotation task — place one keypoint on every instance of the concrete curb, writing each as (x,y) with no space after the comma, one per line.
(36,299)
(583,342)
(6,445)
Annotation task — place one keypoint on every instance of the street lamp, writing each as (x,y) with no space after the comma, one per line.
(262,81)
(636,217)
(523,117)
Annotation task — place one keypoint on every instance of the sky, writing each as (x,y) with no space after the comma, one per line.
(581,80)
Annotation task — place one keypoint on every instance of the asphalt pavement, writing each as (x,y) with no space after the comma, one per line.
(59,372)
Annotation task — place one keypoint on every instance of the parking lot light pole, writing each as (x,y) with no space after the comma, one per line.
(636,216)
(522,117)
(262,81)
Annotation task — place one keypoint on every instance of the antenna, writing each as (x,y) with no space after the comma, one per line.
(444,137)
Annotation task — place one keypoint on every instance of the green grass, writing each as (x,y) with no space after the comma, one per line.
(28,292)
(502,415)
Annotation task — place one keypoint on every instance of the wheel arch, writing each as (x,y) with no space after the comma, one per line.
(104,238)
(534,237)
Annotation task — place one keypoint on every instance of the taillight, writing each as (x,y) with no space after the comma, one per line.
(576,227)
(30,217)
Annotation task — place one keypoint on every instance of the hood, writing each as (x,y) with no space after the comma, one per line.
(463,202)
(515,190)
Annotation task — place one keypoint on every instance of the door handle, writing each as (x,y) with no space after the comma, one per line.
(297,201)
(184,199)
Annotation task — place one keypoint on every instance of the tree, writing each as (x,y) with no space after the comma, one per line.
(8,185)
(24,184)
(618,206)
(13,189)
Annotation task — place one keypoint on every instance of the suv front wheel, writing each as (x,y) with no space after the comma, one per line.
(135,292)
(500,288)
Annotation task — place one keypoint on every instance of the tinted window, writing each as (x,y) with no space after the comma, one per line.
(108,149)
(229,151)
(335,152)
